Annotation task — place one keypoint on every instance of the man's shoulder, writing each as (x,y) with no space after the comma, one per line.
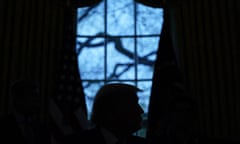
(137,140)
(90,136)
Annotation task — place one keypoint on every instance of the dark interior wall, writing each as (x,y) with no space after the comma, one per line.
(31,41)
(206,33)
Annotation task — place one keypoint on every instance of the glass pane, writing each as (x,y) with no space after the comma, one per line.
(120,59)
(149,20)
(91,58)
(145,94)
(90,21)
(120,17)
(146,49)
(90,90)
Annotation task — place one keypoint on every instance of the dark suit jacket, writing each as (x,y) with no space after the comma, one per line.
(94,136)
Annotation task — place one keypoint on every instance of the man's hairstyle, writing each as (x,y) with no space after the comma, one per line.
(109,96)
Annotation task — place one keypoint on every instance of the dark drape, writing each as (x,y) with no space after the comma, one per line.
(207,44)
(30,41)
(83,3)
(171,108)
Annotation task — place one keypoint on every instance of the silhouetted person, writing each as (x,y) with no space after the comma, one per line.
(22,124)
(116,115)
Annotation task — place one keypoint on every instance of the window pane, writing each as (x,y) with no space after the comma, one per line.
(146,49)
(120,17)
(145,94)
(90,21)
(91,58)
(120,59)
(90,90)
(149,20)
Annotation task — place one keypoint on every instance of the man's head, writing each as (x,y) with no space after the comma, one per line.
(116,107)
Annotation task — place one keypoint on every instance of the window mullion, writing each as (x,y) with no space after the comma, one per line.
(135,42)
(105,41)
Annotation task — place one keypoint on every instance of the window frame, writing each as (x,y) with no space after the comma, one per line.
(135,37)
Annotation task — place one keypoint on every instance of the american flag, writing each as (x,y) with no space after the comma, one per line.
(67,107)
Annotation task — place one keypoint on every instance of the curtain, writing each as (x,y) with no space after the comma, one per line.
(83,3)
(208,39)
(30,41)
(207,36)
(171,108)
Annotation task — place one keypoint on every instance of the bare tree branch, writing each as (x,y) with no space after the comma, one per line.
(121,49)
(114,73)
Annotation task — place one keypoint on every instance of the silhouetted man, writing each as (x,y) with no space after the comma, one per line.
(116,115)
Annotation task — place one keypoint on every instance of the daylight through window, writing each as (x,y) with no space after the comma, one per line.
(117,41)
